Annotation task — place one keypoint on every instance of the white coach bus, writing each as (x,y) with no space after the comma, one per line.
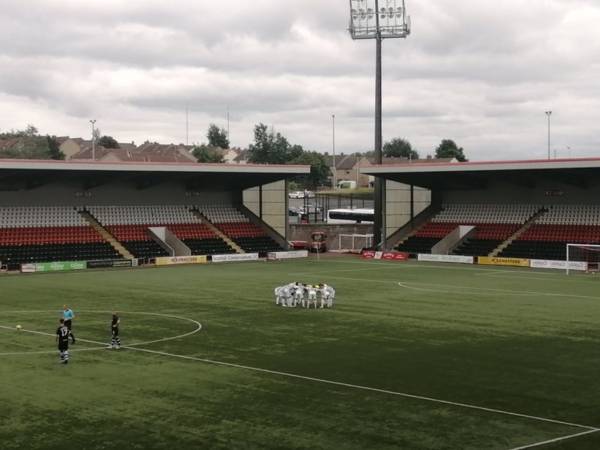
(335,216)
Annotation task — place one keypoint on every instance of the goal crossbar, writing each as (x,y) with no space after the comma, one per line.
(582,257)
(365,240)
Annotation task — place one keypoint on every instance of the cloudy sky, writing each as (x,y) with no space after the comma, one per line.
(481,72)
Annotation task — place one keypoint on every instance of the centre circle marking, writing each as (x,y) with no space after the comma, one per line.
(136,344)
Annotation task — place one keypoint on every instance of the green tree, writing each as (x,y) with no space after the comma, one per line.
(449,149)
(54,151)
(108,142)
(30,131)
(319,169)
(399,148)
(207,154)
(217,137)
(270,147)
(28,144)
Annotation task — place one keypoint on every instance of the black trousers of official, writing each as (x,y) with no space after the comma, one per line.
(69,325)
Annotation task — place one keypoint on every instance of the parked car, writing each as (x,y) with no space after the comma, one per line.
(310,208)
(344,184)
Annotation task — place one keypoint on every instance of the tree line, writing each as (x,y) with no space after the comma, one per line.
(269,147)
(29,144)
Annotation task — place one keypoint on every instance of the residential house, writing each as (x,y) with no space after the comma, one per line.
(348,166)
(155,152)
(147,152)
(234,155)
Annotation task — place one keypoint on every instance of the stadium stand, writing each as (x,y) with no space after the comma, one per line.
(239,229)
(46,234)
(560,225)
(129,225)
(494,223)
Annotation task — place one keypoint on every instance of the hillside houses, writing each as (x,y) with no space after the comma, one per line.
(347,167)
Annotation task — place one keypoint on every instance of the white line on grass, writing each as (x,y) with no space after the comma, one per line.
(365,388)
(53,352)
(170,316)
(589,429)
(501,291)
(558,439)
(465,267)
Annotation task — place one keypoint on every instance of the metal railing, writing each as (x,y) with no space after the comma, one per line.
(314,209)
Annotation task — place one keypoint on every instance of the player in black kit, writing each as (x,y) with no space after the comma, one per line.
(114,327)
(62,339)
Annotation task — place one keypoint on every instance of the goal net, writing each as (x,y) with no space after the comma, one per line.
(583,257)
(354,243)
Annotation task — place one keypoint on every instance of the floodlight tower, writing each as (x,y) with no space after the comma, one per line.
(93,122)
(369,21)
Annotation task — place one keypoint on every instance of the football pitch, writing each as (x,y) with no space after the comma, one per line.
(413,356)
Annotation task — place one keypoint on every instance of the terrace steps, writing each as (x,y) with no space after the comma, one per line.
(217,231)
(106,234)
(518,233)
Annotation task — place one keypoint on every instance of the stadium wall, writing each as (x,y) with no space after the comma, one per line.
(269,202)
(112,193)
(404,202)
(543,191)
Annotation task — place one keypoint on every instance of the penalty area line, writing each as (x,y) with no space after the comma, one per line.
(367,388)
(558,439)
(589,429)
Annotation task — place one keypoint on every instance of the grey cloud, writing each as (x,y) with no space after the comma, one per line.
(481,72)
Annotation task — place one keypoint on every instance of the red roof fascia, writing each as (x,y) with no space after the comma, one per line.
(137,163)
(480,163)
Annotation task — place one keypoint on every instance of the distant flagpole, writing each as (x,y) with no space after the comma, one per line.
(187,124)
(228,135)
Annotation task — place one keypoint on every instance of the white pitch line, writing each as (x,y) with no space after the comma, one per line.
(364,388)
(347,385)
(104,344)
(53,352)
(501,291)
(558,439)
(479,269)
(42,333)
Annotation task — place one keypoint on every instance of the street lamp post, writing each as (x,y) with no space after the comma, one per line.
(228,135)
(334,168)
(548,114)
(93,122)
(369,21)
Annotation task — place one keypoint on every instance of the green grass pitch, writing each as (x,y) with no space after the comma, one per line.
(466,338)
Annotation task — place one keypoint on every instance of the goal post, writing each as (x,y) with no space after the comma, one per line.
(582,257)
(354,242)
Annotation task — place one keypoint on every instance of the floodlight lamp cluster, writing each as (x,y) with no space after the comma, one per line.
(368,20)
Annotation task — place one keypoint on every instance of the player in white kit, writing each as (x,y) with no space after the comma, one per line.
(286,296)
(327,296)
(312,295)
(278,297)
(297,293)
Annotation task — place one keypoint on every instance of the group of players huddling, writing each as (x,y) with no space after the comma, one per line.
(305,295)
